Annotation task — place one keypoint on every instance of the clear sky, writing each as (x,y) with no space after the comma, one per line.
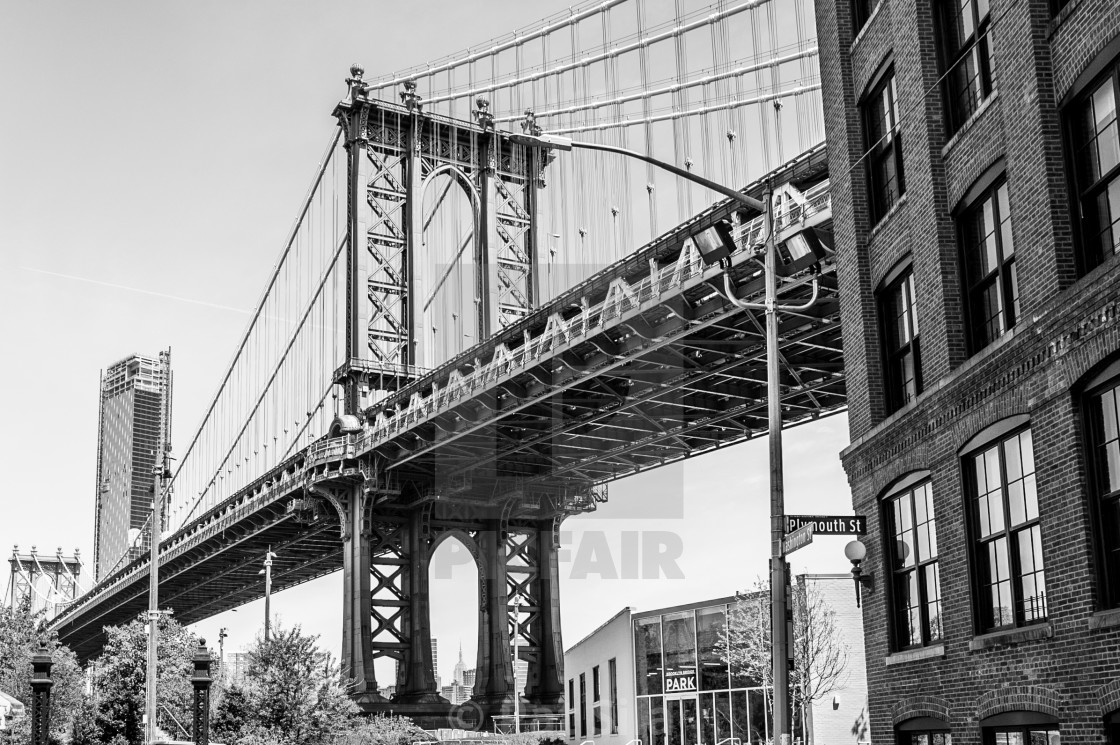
(152,157)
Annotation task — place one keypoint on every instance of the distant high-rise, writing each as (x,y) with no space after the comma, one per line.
(133,426)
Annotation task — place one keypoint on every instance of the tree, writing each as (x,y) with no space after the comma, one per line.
(820,653)
(384,731)
(120,680)
(20,632)
(291,696)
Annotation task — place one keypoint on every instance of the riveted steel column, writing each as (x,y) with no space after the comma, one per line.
(201,681)
(494,680)
(357,646)
(545,684)
(353,117)
(41,683)
(418,682)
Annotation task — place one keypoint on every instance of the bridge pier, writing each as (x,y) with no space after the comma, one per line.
(493,683)
(357,640)
(417,683)
(544,688)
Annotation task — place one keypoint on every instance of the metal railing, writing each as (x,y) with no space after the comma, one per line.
(619,299)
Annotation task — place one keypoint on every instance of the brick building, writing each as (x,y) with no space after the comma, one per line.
(975,169)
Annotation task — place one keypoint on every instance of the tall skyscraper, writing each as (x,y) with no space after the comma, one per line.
(133,427)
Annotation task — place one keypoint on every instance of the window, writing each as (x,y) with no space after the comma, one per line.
(915,585)
(861,13)
(1103,408)
(583,704)
(612,677)
(924,731)
(901,349)
(884,147)
(1007,544)
(571,708)
(1030,734)
(596,716)
(1096,165)
(991,282)
(966,54)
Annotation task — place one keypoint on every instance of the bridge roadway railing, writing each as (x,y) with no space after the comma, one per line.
(592,318)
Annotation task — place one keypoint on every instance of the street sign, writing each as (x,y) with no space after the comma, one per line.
(828,524)
(799,538)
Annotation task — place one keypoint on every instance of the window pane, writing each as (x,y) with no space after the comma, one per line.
(740,715)
(647,653)
(761,724)
(1104,126)
(643,721)
(723,716)
(707,720)
(710,623)
(657,720)
(679,641)
(933,601)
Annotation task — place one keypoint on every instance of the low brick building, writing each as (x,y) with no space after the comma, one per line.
(974,158)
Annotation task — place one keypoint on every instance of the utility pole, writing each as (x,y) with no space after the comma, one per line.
(779,568)
(222,634)
(267,572)
(160,474)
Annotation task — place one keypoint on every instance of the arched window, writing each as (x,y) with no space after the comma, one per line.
(1020,728)
(923,731)
(1006,540)
(1094,137)
(1102,418)
(915,589)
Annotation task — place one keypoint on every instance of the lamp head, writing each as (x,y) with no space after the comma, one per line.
(855,551)
(715,243)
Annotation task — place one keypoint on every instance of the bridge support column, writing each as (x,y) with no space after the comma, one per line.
(544,688)
(357,647)
(417,682)
(493,690)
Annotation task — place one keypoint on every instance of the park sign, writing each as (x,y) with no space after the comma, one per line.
(828,524)
(680,680)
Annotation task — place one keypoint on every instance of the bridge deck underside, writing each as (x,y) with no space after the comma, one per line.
(220,573)
(666,383)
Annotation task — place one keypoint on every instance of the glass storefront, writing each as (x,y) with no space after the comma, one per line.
(685,693)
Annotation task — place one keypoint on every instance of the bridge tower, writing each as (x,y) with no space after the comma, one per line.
(404,166)
(45,582)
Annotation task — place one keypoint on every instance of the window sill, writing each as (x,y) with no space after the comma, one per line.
(1011,636)
(886,218)
(866,25)
(914,655)
(968,124)
(1105,619)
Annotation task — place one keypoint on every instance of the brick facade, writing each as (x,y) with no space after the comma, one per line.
(1069,666)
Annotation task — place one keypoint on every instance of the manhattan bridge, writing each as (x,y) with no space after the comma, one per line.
(470,336)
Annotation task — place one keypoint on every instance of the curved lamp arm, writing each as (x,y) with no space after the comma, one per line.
(762,306)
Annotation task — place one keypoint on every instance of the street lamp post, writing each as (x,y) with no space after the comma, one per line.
(779,568)
(160,473)
(518,601)
(267,572)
